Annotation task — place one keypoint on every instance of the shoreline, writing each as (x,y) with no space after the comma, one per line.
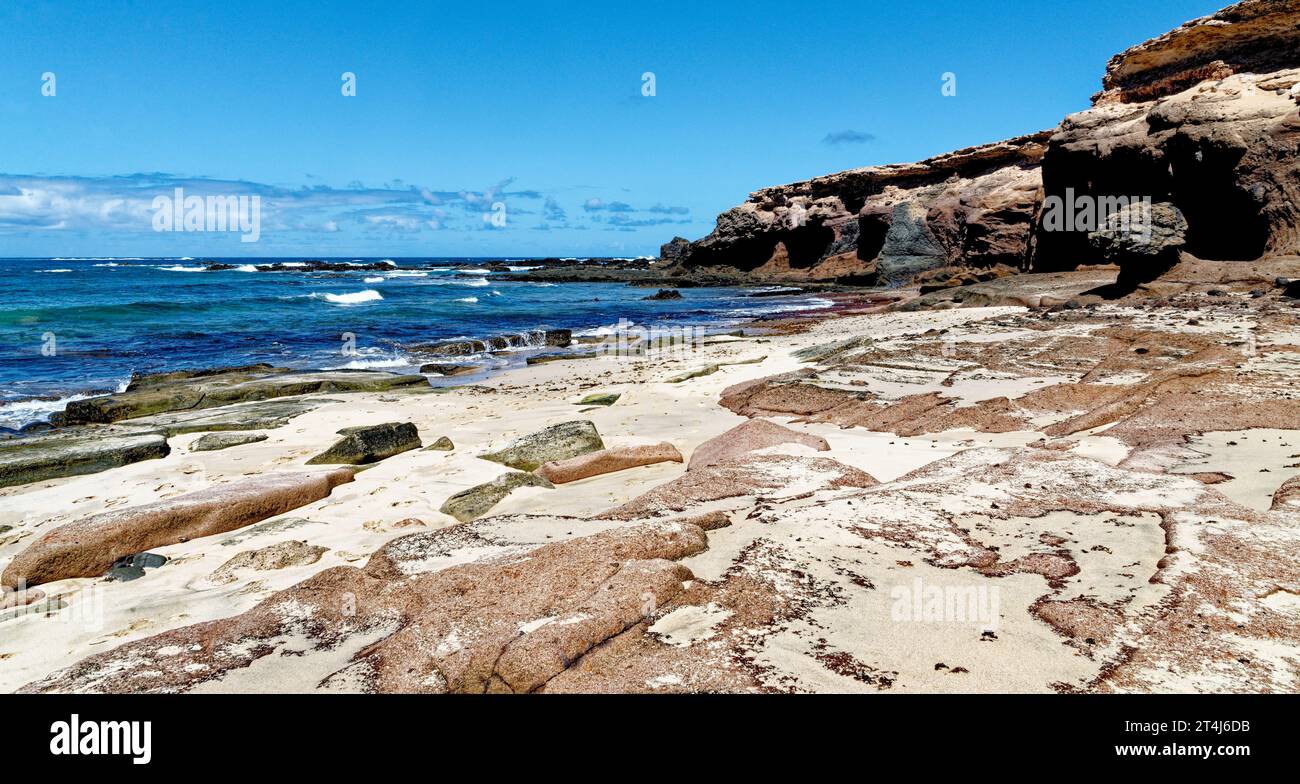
(492,362)
(960,447)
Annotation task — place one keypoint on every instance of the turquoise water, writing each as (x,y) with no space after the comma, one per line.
(82,326)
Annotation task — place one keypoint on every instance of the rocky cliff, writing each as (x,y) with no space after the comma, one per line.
(1194,137)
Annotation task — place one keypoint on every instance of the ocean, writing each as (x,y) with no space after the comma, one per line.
(76,327)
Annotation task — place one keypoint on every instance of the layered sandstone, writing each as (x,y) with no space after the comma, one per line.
(1199,124)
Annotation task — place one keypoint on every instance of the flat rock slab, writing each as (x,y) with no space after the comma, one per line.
(258,415)
(163,393)
(476,501)
(75,452)
(607,461)
(749,437)
(214,441)
(558,442)
(89,547)
(369,444)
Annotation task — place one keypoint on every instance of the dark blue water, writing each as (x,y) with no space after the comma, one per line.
(83,326)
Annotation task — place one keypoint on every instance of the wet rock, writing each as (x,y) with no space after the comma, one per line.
(75,452)
(369,444)
(560,338)
(277,556)
(444,369)
(90,546)
(192,390)
(132,567)
(214,441)
(664,294)
(748,437)
(608,461)
(476,501)
(558,442)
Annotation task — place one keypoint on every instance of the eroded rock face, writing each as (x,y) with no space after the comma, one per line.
(1256,36)
(1223,153)
(1202,119)
(88,547)
(881,223)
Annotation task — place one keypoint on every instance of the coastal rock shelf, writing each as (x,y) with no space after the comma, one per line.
(190,390)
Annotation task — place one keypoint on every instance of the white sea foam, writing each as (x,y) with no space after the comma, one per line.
(354,298)
(476,271)
(182,268)
(468,300)
(374,279)
(246,268)
(55,270)
(25,412)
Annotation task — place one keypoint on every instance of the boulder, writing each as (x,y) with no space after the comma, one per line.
(748,437)
(476,501)
(75,451)
(607,461)
(557,442)
(90,546)
(369,444)
(664,294)
(443,444)
(214,441)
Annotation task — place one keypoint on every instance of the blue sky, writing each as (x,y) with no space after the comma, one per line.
(537,106)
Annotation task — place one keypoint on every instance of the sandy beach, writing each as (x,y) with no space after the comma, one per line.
(976,545)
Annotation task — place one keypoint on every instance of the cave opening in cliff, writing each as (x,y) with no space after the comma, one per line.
(806,245)
(872,230)
(1225,222)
